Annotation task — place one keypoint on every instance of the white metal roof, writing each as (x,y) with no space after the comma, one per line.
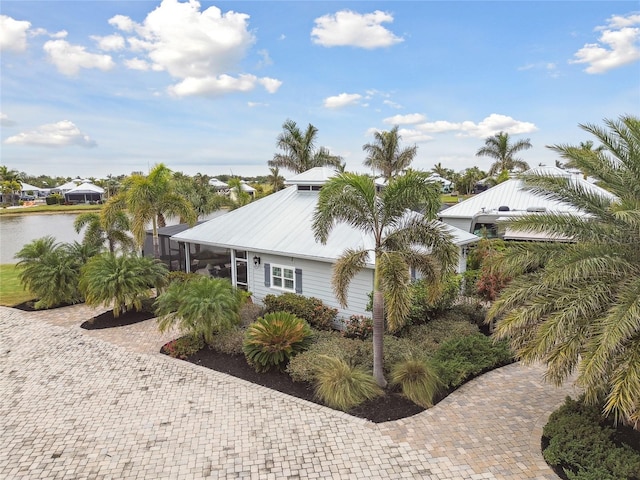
(313,176)
(26,187)
(511,194)
(281,223)
(214,182)
(86,187)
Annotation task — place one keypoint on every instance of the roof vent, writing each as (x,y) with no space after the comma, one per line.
(536,209)
(503,209)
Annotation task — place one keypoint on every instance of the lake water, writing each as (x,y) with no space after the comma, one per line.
(16,231)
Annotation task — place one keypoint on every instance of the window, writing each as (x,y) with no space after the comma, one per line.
(283,277)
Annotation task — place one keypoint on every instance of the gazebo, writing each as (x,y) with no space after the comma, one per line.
(84,193)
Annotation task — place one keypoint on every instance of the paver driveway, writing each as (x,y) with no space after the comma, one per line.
(104,404)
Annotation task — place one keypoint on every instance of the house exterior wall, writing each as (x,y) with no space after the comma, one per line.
(316,282)
(461,223)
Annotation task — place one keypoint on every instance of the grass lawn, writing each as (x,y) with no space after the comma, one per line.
(50,209)
(11,292)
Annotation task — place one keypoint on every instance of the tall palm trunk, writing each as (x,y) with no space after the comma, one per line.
(378,333)
(156,239)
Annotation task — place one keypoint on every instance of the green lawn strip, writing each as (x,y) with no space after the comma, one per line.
(11,291)
(50,209)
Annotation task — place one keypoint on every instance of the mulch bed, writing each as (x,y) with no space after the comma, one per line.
(107,320)
(29,306)
(391,406)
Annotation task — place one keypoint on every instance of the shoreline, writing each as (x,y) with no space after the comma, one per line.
(20,211)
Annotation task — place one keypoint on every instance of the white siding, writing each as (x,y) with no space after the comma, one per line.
(316,282)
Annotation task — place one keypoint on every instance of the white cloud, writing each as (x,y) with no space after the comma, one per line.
(489,126)
(405,119)
(407,135)
(222,84)
(342,100)
(69,59)
(618,45)
(13,34)
(200,49)
(257,104)
(265,58)
(60,134)
(5,121)
(391,104)
(109,43)
(347,28)
(137,64)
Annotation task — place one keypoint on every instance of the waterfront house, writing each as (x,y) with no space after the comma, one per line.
(486,212)
(268,246)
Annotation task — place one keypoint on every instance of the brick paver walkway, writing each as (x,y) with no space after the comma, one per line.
(77,404)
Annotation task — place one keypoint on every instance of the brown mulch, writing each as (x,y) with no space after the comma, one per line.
(107,320)
(29,306)
(391,406)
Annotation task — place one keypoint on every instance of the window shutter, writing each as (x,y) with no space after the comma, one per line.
(298,280)
(267,275)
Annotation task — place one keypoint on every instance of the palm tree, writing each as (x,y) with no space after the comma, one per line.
(385,154)
(402,240)
(239,198)
(197,191)
(579,308)
(203,307)
(299,151)
(121,282)
(500,148)
(148,199)
(98,231)
(51,271)
(275,179)
(11,182)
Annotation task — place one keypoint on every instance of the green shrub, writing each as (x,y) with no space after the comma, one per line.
(342,386)
(183,347)
(302,367)
(424,306)
(229,341)
(358,326)
(249,313)
(311,309)
(180,277)
(273,339)
(430,335)
(459,359)
(417,379)
(586,446)
(54,199)
(356,352)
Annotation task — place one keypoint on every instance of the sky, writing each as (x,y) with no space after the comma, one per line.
(92,88)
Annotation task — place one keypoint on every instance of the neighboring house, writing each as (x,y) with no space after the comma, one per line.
(65,187)
(268,246)
(84,193)
(28,189)
(484,212)
(447,185)
(218,185)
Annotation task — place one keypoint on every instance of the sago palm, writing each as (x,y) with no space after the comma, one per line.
(148,199)
(202,306)
(51,271)
(299,151)
(385,154)
(402,239)
(121,281)
(581,309)
(500,148)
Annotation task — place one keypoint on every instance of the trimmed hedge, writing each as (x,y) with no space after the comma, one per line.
(311,309)
(584,446)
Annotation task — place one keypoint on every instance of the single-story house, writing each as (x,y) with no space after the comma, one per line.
(268,246)
(84,193)
(218,185)
(65,187)
(485,211)
(28,189)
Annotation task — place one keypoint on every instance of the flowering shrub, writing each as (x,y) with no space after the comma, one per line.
(183,347)
(358,326)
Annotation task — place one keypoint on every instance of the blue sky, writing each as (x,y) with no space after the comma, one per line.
(92,88)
